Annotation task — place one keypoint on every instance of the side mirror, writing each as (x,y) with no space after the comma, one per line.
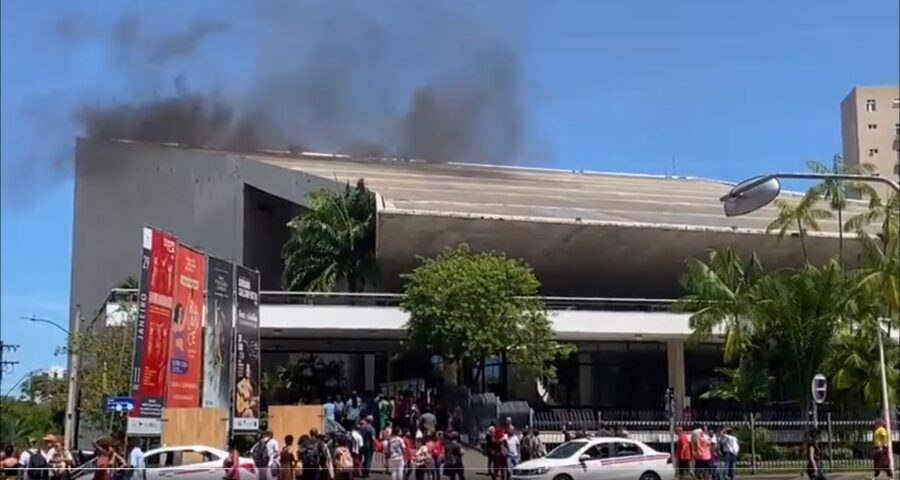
(584,458)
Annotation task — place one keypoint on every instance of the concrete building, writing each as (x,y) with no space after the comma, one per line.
(870,128)
(608,248)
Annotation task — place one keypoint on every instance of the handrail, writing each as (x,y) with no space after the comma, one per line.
(274,297)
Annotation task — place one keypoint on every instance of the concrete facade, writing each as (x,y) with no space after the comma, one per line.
(870,128)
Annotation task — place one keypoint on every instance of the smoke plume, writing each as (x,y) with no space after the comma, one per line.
(328,77)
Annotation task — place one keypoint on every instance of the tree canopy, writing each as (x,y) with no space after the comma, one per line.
(333,242)
(465,305)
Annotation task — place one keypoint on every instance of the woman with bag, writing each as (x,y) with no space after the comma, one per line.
(343,461)
(287,460)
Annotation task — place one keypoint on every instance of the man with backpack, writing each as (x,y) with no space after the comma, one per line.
(38,465)
(265,456)
(311,456)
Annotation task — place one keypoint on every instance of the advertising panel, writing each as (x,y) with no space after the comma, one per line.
(186,344)
(247,351)
(218,334)
(148,380)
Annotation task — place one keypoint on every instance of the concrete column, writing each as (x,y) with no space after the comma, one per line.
(585,379)
(675,355)
(369,371)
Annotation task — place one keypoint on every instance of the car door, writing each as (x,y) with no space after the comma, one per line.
(155,463)
(195,464)
(627,462)
(592,462)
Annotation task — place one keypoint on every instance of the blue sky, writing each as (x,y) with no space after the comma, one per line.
(728,89)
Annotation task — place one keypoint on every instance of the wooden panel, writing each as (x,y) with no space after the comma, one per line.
(295,420)
(195,426)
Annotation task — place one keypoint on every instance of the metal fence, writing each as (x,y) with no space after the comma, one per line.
(769,441)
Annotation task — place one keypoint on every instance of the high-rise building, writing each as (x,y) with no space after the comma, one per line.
(870,128)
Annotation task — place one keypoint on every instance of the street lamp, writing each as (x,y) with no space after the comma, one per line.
(19,382)
(72,371)
(755,193)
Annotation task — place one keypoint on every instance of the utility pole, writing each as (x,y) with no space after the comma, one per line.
(74,367)
(6,365)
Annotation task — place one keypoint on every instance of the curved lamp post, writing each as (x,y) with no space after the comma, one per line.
(755,193)
(19,382)
(74,366)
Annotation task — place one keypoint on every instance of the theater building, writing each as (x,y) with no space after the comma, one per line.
(609,250)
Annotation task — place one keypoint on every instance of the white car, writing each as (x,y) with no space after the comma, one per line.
(598,459)
(192,462)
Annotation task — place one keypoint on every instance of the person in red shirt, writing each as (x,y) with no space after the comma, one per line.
(683,452)
(407,453)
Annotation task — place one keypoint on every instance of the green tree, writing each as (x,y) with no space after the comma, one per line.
(720,295)
(802,215)
(855,372)
(799,311)
(332,242)
(47,390)
(880,211)
(308,378)
(748,384)
(470,306)
(834,192)
(22,420)
(107,355)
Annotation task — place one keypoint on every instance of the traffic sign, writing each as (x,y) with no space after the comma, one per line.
(819,388)
(119,404)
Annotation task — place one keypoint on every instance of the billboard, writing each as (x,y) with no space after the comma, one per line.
(148,379)
(218,334)
(246,386)
(186,336)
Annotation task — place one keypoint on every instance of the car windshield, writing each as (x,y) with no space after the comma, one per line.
(566,450)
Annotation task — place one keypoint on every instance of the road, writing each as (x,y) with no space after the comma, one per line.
(476,469)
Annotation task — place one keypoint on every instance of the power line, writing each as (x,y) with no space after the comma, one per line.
(7,366)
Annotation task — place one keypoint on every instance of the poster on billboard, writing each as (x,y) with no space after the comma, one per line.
(151,348)
(186,331)
(246,390)
(218,334)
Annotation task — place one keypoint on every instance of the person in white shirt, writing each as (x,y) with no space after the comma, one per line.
(512,448)
(732,448)
(356,448)
(274,453)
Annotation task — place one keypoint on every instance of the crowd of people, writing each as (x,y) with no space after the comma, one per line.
(706,454)
(406,436)
(51,460)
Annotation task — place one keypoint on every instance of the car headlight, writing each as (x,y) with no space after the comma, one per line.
(530,471)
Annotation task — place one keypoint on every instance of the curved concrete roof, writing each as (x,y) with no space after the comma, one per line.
(422,188)
(585,233)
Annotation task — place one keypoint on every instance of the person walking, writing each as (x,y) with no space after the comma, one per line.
(731,448)
(683,452)
(453,458)
(702,453)
(813,456)
(136,466)
(513,441)
(311,456)
(287,460)
(881,460)
(368,445)
(343,461)
(395,452)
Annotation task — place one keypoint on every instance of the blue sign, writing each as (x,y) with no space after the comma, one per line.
(119,404)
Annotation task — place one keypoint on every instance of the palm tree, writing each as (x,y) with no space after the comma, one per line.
(799,311)
(886,212)
(333,242)
(803,215)
(719,294)
(854,369)
(834,192)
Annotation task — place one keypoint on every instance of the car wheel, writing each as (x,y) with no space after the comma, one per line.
(649,476)
(562,477)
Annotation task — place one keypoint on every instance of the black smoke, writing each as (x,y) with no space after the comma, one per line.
(334,76)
